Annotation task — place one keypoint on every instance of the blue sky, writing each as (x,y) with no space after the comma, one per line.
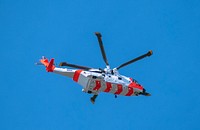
(31,98)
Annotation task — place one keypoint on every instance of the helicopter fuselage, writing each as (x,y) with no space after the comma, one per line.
(95,82)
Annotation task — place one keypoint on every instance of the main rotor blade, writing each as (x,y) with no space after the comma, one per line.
(101,46)
(136,59)
(74,66)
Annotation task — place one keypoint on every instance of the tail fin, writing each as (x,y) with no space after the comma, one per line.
(49,65)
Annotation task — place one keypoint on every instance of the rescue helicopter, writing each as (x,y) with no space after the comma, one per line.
(95,81)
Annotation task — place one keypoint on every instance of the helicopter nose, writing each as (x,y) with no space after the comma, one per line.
(145,93)
(136,86)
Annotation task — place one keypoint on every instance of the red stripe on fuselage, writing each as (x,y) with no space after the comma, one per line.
(134,85)
(76,75)
(119,89)
(108,87)
(130,91)
(98,85)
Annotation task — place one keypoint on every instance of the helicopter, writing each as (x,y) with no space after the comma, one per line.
(95,81)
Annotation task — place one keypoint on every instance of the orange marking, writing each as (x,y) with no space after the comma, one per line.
(134,85)
(130,91)
(76,75)
(49,65)
(119,89)
(45,62)
(98,85)
(108,87)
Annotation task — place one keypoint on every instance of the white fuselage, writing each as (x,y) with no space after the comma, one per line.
(95,82)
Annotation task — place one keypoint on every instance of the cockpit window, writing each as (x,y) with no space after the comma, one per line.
(135,81)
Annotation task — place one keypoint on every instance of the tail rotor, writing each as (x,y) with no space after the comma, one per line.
(49,65)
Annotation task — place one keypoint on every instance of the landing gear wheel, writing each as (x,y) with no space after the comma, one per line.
(92,99)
